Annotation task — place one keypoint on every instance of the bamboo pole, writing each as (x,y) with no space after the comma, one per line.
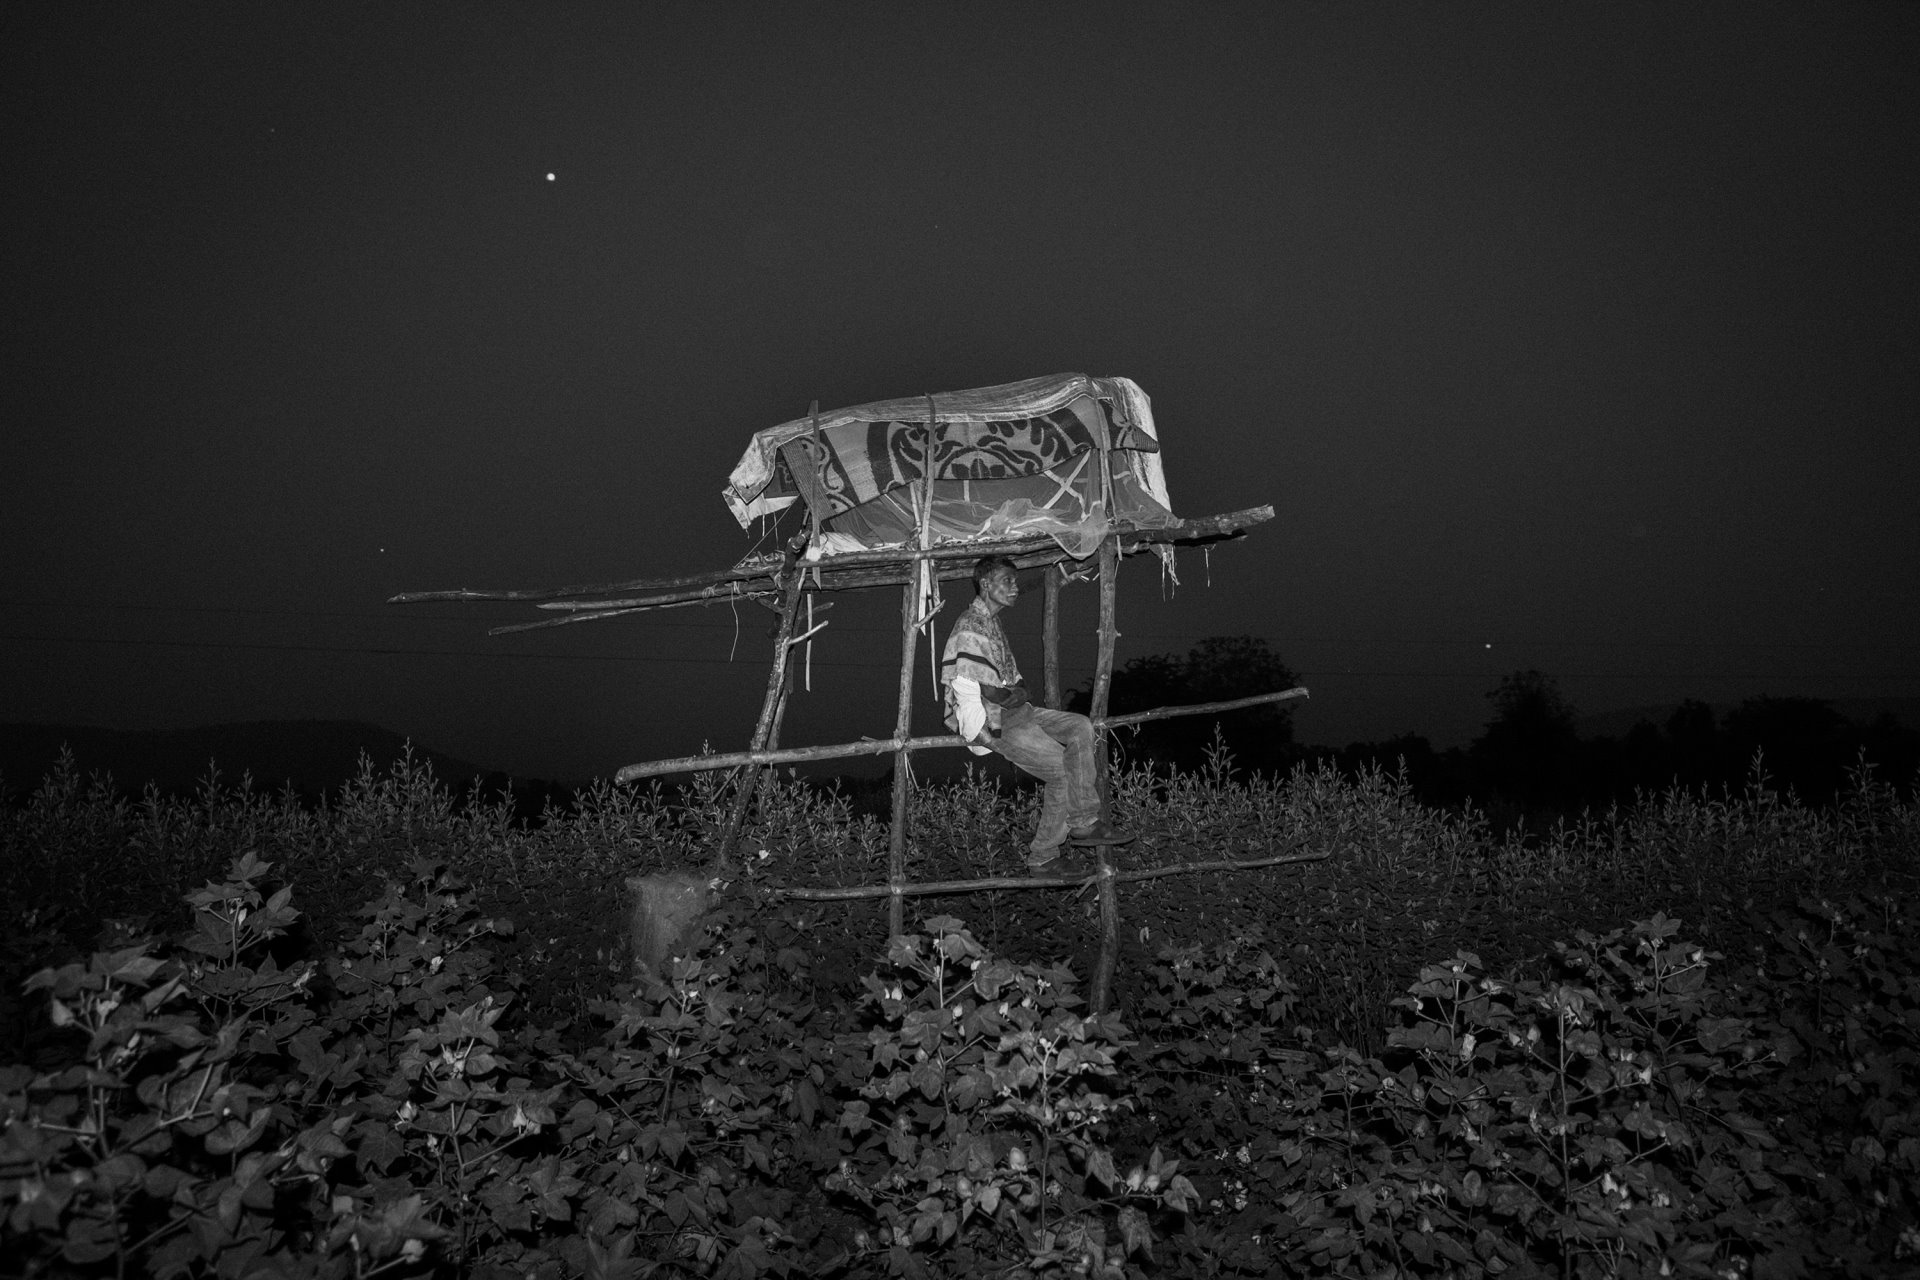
(695,587)
(597,610)
(1199,708)
(1097,711)
(786,696)
(787,755)
(903,717)
(902,792)
(882,746)
(1023,555)
(737,573)
(1050,638)
(1223,864)
(998,883)
(1103,661)
(1109,961)
(764,730)
(676,601)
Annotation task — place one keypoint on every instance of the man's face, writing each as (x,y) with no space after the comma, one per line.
(1002,587)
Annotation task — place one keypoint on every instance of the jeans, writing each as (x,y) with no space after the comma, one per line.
(1057,748)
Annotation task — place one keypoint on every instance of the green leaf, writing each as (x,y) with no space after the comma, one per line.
(1179,1194)
(235,1135)
(1753,1129)
(89,1240)
(505,1201)
(133,965)
(665,1140)
(377,1144)
(806,1102)
(1136,1236)
(928,1078)
(117,1172)
(615,1262)
(1716,1034)
(165,1182)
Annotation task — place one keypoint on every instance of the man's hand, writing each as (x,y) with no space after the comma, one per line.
(1005,697)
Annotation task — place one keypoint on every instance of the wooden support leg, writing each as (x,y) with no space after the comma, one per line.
(1103,662)
(902,727)
(1109,936)
(1050,637)
(770,711)
(1102,685)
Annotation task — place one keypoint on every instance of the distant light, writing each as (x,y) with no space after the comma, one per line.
(1489,646)
(549,177)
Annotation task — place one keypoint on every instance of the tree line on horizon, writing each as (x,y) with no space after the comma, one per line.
(1529,763)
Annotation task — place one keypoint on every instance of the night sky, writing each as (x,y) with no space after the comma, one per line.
(1582,338)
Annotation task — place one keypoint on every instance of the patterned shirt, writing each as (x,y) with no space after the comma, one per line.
(977,651)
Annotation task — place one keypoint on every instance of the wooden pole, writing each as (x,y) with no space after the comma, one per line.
(780,708)
(1097,710)
(1050,637)
(903,719)
(881,746)
(712,586)
(1200,708)
(787,755)
(995,884)
(1103,661)
(1109,961)
(769,713)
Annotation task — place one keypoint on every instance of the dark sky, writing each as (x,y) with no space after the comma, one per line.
(1574,337)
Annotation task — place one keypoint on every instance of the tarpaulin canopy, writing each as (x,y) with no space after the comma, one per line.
(1007,462)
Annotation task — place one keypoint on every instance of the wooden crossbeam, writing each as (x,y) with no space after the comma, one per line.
(884,746)
(883,568)
(934,888)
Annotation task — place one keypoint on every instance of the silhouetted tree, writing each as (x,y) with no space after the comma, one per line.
(1646,761)
(1804,743)
(1217,669)
(1526,756)
(1893,749)
(1693,741)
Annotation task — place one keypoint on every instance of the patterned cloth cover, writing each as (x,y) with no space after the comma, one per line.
(1008,461)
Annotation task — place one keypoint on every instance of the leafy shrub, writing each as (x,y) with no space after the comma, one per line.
(228,1115)
(173,1144)
(1627,1116)
(372,1090)
(984,1095)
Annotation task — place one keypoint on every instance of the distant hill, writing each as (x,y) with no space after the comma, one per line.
(315,756)
(1862,711)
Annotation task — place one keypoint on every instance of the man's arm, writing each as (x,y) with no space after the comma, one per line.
(1006,697)
(970,711)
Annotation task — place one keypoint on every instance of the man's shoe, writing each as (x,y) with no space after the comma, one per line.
(1063,865)
(1101,833)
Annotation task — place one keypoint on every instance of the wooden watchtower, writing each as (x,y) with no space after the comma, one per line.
(1061,473)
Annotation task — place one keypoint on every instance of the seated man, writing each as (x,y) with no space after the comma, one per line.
(988,706)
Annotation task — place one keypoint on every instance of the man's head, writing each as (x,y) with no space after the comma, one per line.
(998,579)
